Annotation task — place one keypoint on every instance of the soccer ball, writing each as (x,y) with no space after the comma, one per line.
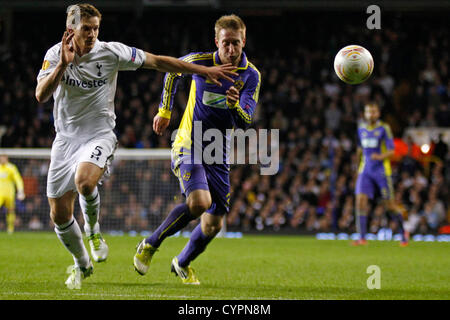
(353,64)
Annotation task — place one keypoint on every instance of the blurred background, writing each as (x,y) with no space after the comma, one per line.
(293,44)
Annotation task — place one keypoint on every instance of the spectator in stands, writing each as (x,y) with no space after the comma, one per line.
(441,148)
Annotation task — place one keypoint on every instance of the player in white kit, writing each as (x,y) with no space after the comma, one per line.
(81,74)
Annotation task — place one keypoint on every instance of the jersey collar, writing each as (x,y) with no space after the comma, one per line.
(242,66)
(371,127)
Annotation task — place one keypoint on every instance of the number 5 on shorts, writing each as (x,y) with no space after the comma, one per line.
(98,154)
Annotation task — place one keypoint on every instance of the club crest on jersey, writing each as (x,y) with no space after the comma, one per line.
(377,133)
(186,176)
(99,66)
(238,84)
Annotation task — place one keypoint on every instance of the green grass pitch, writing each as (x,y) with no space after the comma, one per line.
(33,265)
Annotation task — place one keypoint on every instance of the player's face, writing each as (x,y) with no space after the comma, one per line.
(371,113)
(86,33)
(230,44)
(3,159)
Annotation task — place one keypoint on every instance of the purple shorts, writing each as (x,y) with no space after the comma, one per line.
(369,182)
(214,178)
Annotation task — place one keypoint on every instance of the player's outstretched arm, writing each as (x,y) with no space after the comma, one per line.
(170,64)
(47,85)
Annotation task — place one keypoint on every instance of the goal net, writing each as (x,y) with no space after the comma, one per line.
(137,196)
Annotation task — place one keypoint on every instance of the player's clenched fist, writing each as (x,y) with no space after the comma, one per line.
(160,124)
(232,96)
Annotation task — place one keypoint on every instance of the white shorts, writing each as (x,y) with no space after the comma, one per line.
(68,153)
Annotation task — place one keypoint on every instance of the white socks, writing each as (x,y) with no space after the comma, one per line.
(90,206)
(70,235)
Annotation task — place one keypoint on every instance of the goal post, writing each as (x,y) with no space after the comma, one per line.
(139,193)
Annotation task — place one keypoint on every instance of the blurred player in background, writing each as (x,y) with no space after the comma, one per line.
(375,148)
(10,182)
(205,186)
(81,74)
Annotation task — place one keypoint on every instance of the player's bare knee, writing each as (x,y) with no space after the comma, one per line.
(85,187)
(211,229)
(199,204)
(196,208)
(59,217)
(361,202)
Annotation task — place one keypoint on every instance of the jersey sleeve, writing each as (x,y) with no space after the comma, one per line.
(388,137)
(358,140)
(171,81)
(128,58)
(17,178)
(242,111)
(51,59)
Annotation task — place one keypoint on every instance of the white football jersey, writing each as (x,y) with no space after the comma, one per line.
(84,99)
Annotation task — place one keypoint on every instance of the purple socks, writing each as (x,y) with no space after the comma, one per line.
(361,225)
(177,219)
(196,245)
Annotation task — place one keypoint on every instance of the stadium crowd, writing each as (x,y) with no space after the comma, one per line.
(317,116)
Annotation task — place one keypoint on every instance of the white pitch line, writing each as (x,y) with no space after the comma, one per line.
(133,295)
(91,294)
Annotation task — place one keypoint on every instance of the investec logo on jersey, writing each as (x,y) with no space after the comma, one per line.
(83,83)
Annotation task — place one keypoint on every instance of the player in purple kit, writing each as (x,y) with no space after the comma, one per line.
(205,185)
(375,148)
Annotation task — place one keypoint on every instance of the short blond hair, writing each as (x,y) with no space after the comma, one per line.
(85,10)
(372,104)
(231,21)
